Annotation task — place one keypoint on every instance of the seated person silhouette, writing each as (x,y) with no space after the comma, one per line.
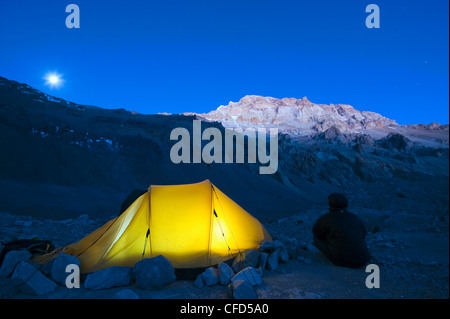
(340,235)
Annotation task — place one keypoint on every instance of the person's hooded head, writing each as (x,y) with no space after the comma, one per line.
(337,202)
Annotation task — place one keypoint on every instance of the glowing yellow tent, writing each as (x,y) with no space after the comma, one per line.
(193,225)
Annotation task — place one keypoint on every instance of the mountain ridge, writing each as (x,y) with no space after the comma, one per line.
(295,116)
(371,120)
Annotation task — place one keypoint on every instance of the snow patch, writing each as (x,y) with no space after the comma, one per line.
(51,98)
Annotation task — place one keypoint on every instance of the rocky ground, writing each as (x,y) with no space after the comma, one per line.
(411,250)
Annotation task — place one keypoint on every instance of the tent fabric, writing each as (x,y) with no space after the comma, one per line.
(192,225)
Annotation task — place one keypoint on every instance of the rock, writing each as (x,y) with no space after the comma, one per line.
(247,258)
(269,246)
(12,258)
(225,273)
(46,268)
(241,289)
(259,271)
(265,246)
(58,268)
(363,139)
(272,260)
(115,276)
(330,135)
(262,261)
(283,256)
(292,248)
(210,276)
(248,274)
(396,141)
(126,294)
(32,280)
(278,252)
(153,272)
(199,283)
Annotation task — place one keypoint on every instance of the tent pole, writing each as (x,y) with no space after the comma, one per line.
(148,234)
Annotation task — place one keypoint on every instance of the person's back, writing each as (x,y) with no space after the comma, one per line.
(340,235)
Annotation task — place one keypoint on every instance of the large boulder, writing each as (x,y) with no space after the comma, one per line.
(262,260)
(269,246)
(292,247)
(12,258)
(210,276)
(31,280)
(250,275)
(272,260)
(199,282)
(277,252)
(283,256)
(153,272)
(59,265)
(225,273)
(246,258)
(242,289)
(278,255)
(115,276)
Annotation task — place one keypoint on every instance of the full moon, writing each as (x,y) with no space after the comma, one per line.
(54,80)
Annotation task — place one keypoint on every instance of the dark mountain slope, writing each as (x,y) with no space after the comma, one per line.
(59,158)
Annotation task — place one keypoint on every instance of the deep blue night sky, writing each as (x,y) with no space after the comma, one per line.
(193,56)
